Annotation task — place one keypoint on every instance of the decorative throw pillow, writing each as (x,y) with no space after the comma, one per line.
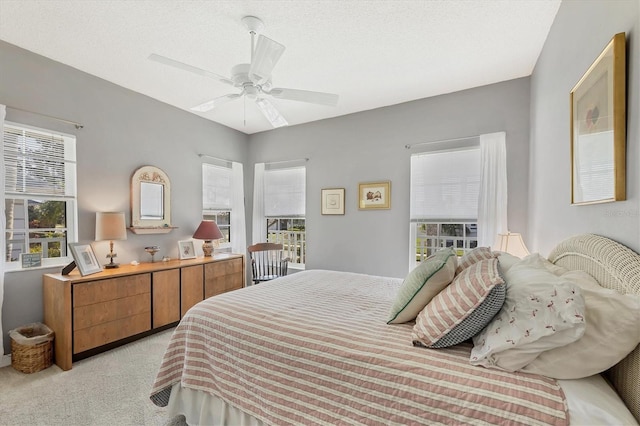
(473,256)
(506,260)
(422,284)
(463,309)
(542,311)
(612,332)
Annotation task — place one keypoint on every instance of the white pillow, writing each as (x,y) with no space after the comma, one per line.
(542,311)
(506,260)
(612,331)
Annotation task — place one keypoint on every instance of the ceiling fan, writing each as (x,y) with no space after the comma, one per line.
(254,79)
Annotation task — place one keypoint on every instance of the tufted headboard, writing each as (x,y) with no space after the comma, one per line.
(617,267)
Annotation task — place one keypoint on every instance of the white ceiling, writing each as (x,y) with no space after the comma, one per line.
(373,53)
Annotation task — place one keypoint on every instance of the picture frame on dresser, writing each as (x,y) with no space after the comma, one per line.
(186,249)
(85,258)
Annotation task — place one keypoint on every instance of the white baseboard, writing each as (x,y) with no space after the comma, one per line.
(5,361)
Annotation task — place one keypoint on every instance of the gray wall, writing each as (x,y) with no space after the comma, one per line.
(579,33)
(369,146)
(123,130)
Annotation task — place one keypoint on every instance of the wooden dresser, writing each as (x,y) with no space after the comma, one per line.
(97,312)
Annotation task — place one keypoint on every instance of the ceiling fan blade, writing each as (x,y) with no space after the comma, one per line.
(272,114)
(265,56)
(186,67)
(209,105)
(321,98)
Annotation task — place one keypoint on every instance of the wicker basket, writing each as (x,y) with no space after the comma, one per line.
(31,348)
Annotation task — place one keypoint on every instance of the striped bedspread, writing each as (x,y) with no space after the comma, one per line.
(314,348)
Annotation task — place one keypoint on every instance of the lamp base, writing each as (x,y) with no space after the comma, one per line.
(207,248)
(111,264)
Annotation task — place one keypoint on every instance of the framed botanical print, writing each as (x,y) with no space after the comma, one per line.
(374,195)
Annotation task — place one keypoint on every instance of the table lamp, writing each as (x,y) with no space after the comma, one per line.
(207,231)
(110,226)
(511,243)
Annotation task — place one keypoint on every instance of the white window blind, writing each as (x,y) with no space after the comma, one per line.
(445,185)
(216,187)
(284,192)
(38,163)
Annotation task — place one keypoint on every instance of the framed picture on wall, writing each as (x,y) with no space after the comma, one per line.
(374,195)
(333,201)
(186,249)
(598,128)
(85,258)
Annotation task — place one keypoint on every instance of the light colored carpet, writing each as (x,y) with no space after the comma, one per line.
(111,388)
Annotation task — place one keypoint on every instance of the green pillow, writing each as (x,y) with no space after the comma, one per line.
(422,284)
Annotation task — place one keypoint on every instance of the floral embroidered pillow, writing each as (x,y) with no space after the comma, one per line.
(542,311)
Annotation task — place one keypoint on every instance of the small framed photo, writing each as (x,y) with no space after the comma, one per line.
(186,249)
(374,195)
(31,260)
(85,258)
(333,201)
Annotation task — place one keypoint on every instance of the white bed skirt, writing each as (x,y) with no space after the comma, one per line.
(591,401)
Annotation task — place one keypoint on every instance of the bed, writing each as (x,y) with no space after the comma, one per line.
(315,348)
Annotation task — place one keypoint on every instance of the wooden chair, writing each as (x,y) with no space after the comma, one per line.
(267,262)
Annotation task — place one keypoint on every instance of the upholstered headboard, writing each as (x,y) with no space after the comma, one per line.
(613,266)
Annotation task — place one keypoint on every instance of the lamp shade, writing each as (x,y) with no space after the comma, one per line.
(208,230)
(110,226)
(511,243)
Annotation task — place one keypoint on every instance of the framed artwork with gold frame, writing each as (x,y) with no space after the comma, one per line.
(374,195)
(598,128)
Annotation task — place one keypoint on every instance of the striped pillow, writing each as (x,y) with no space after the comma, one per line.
(463,309)
(473,256)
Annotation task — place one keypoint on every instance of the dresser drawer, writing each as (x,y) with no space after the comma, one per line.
(110,289)
(112,310)
(220,277)
(93,337)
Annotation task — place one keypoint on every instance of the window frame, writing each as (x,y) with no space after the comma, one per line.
(419,217)
(292,213)
(70,199)
(207,213)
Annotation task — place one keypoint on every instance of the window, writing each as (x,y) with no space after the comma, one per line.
(444,201)
(40,193)
(217,199)
(284,210)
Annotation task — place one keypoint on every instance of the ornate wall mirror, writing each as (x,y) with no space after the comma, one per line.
(150,201)
(598,140)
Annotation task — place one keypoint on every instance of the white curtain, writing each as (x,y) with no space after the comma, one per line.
(492,200)
(3,222)
(238,225)
(259,222)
